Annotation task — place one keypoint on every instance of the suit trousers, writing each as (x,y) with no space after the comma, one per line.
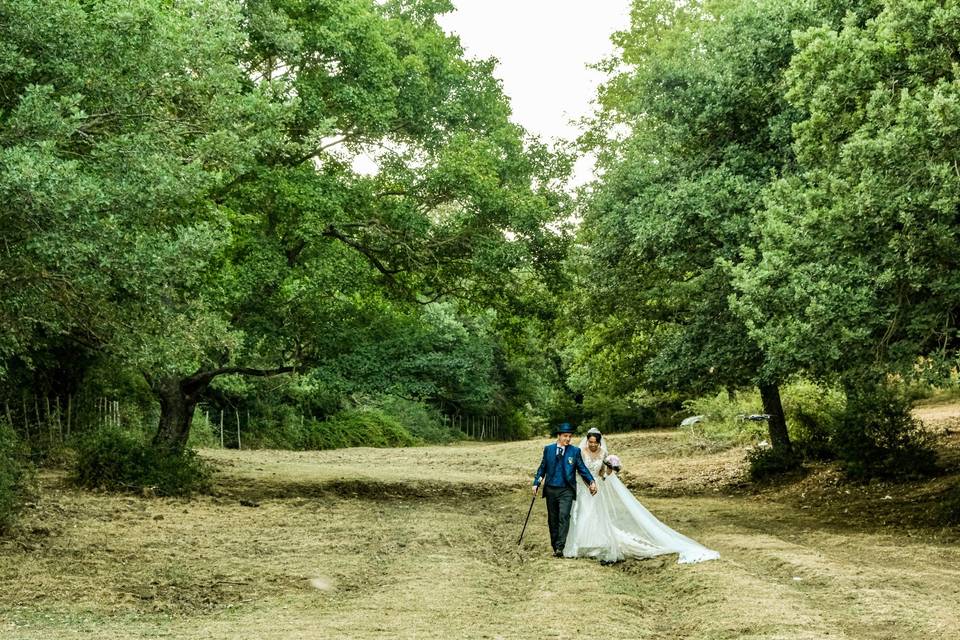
(559,501)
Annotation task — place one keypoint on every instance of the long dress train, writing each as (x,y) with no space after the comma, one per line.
(613,525)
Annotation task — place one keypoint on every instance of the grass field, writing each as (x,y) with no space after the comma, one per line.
(421,543)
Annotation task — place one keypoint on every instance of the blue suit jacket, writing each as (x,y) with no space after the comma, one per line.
(571,465)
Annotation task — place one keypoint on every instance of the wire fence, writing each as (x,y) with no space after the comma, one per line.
(49,420)
(478,427)
(53,420)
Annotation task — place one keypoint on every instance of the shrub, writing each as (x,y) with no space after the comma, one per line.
(767,462)
(520,425)
(203,431)
(814,414)
(276,426)
(356,428)
(121,461)
(880,438)
(422,421)
(721,422)
(529,421)
(13,475)
(616,414)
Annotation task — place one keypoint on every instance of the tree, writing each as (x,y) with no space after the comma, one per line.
(203,213)
(857,267)
(698,97)
(116,119)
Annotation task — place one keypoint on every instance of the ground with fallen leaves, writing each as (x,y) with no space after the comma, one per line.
(422,543)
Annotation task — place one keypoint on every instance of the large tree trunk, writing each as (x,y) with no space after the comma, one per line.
(178,399)
(777,424)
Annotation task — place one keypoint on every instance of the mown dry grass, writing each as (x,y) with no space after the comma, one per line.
(421,543)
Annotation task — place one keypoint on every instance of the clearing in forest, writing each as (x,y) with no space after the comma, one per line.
(421,543)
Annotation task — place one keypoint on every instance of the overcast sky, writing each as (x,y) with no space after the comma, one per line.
(543,48)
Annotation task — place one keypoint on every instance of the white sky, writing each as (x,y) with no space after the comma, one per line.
(543,48)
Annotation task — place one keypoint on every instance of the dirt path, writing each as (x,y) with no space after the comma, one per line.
(421,543)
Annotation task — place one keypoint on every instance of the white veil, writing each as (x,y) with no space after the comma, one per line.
(603,443)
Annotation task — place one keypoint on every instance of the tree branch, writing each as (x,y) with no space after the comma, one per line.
(202,378)
(332,232)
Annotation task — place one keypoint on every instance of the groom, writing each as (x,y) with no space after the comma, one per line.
(558,468)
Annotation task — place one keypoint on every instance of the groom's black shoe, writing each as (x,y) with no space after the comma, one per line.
(558,553)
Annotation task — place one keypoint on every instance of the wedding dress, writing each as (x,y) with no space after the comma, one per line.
(613,525)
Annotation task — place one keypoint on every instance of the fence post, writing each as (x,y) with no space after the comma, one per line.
(36,410)
(238,429)
(46,400)
(26,417)
(69,408)
(59,423)
(221,428)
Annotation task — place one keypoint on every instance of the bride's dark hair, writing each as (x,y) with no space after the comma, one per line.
(597,434)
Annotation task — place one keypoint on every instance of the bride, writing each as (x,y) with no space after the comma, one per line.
(613,525)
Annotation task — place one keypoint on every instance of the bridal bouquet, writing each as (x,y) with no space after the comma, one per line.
(613,462)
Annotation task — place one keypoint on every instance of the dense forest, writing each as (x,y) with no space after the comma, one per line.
(312,224)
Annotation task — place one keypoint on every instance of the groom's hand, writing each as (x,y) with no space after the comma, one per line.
(535,487)
(593,488)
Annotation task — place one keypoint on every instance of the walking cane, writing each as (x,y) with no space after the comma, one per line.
(532,500)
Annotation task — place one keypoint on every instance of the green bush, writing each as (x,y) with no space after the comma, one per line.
(813,413)
(617,414)
(561,407)
(871,432)
(520,425)
(721,422)
(767,462)
(356,428)
(203,431)
(880,438)
(13,475)
(422,421)
(528,420)
(121,461)
(276,427)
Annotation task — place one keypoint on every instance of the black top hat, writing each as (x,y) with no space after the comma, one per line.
(563,427)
